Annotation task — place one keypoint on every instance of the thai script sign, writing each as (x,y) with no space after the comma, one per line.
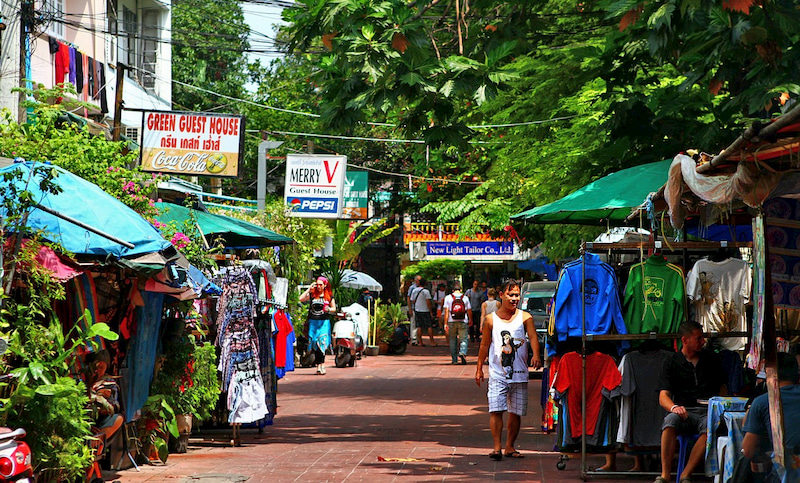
(315,185)
(470,249)
(192,143)
(356,195)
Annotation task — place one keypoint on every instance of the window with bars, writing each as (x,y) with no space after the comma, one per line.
(53,11)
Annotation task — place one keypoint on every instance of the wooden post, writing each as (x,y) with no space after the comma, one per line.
(115,134)
(770,356)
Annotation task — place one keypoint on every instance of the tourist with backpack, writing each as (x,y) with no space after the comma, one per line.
(458,317)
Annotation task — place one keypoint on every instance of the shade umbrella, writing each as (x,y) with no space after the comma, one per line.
(86,203)
(609,199)
(354,279)
(235,233)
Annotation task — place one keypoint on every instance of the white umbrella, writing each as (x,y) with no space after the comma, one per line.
(354,279)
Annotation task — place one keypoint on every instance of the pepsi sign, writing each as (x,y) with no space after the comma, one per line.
(312,205)
(315,185)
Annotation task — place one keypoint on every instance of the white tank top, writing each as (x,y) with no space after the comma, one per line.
(508,353)
(492,306)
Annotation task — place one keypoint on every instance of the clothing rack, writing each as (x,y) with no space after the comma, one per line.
(584,473)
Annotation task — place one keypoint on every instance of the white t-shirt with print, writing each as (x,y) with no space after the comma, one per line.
(718,292)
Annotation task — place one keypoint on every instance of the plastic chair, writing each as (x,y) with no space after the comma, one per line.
(685,443)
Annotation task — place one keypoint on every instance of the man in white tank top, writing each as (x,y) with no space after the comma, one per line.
(504,343)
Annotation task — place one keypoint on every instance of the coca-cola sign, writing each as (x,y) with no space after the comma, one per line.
(192,143)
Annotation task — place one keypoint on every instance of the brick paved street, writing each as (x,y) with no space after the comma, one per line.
(335,428)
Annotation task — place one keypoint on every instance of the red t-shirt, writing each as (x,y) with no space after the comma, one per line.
(601,372)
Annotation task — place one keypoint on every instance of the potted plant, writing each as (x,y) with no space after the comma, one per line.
(188,383)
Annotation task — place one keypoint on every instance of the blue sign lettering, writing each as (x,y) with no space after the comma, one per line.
(470,249)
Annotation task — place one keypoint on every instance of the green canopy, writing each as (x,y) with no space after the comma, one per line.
(609,199)
(235,233)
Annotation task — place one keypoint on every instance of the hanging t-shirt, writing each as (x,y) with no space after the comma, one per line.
(655,297)
(603,308)
(640,421)
(719,292)
(602,376)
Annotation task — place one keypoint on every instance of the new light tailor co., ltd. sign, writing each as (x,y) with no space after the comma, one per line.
(315,185)
(192,143)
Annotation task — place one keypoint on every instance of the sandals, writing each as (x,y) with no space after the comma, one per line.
(496,455)
(515,455)
(685,479)
(660,479)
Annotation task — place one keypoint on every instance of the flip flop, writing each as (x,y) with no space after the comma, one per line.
(496,455)
(515,455)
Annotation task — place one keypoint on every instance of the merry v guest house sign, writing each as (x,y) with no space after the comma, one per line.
(315,185)
(192,143)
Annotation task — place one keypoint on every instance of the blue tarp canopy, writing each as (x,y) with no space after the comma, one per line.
(85,202)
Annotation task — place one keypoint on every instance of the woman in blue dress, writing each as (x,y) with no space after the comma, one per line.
(320,297)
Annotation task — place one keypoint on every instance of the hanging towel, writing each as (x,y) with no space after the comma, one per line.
(62,63)
(72,71)
(96,78)
(102,91)
(53,43)
(91,77)
(79,72)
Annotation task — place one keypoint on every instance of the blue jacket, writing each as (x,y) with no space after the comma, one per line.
(602,300)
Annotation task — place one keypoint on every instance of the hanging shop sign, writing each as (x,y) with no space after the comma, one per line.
(356,195)
(314,186)
(492,249)
(192,143)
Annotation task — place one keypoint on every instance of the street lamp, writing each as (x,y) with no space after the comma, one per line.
(261,190)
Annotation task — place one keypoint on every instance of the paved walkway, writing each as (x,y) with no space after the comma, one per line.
(340,426)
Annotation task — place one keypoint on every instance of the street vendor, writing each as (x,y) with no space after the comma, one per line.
(103,394)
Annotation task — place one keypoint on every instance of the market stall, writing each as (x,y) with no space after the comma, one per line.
(651,314)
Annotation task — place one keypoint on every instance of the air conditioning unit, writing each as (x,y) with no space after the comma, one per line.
(132,133)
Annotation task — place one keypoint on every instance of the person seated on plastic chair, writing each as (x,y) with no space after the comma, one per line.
(690,375)
(103,394)
(757,428)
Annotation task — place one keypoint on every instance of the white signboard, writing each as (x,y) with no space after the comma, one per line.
(315,185)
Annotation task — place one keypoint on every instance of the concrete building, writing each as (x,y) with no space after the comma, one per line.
(98,35)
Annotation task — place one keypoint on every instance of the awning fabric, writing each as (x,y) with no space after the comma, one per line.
(607,200)
(89,204)
(235,233)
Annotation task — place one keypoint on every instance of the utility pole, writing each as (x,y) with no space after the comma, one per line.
(261,188)
(26,25)
(118,103)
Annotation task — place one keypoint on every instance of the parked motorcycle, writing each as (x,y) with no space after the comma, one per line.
(400,339)
(347,345)
(15,455)
(353,326)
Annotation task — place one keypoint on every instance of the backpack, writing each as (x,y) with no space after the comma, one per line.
(458,311)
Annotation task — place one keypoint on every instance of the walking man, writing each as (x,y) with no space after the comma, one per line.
(476,298)
(457,314)
(423,305)
(504,343)
(410,304)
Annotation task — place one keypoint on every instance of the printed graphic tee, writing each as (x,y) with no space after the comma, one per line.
(655,297)
(718,292)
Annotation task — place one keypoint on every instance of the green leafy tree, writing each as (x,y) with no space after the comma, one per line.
(209,45)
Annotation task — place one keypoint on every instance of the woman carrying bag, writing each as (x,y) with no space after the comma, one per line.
(322,305)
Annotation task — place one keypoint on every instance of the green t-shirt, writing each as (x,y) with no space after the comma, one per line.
(655,297)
